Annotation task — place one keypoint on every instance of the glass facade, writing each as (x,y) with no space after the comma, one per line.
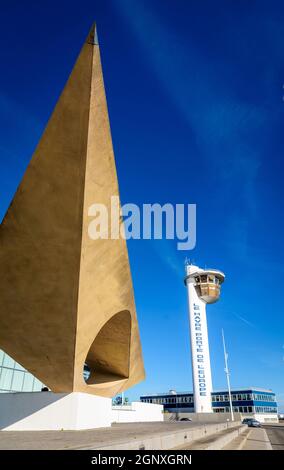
(14,378)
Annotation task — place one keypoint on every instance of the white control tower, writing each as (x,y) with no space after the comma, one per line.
(203,287)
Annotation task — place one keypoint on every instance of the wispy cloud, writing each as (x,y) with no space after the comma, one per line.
(230,132)
(244,320)
(167,252)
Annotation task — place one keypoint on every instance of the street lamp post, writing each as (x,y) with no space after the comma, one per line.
(228,376)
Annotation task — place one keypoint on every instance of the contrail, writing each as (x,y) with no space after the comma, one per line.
(244,320)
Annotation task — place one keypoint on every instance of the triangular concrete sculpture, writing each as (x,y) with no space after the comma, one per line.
(66,299)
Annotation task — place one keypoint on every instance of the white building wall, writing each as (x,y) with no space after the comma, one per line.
(137,412)
(264,417)
(44,411)
(40,411)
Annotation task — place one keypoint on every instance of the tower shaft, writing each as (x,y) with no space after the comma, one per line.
(200,357)
(202,287)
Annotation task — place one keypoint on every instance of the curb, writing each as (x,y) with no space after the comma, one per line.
(222,441)
(241,445)
(167,440)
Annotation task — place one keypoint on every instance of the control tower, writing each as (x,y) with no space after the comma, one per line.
(203,287)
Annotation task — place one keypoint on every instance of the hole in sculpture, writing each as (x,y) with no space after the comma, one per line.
(108,356)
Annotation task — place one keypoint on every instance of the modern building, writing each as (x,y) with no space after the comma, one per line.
(256,402)
(203,287)
(14,378)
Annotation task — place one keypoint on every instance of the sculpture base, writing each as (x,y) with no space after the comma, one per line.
(46,411)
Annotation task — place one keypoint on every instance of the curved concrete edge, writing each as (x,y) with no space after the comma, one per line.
(167,440)
(221,441)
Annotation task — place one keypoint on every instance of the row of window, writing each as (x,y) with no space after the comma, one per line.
(244,396)
(260,397)
(246,409)
(235,397)
(207,278)
(7,361)
(168,401)
(215,398)
(265,409)
(237,409)
(14,378)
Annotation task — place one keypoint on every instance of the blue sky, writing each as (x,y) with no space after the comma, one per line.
(195,95)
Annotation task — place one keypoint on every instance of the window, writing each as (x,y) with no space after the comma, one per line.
(219,410)
(8,362)
(234,397)
(17,382)
(239,396)
(250,409)
(6,379)
(1,357)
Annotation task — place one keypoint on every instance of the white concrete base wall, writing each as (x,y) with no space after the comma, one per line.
(40,411)
(47,411)
(137,412)
(266,417)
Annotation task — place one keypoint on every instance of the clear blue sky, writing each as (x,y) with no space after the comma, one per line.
(195,101)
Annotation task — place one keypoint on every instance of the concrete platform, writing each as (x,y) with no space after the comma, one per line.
(135,436)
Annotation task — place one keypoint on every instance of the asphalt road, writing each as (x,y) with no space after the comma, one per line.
(275,434)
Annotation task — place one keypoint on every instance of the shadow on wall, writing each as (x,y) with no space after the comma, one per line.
(108,356)
(13,410)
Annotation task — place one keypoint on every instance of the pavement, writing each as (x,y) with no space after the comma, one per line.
(268,437)
(257,439)
(220,440)
(275,433)
(93,438)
